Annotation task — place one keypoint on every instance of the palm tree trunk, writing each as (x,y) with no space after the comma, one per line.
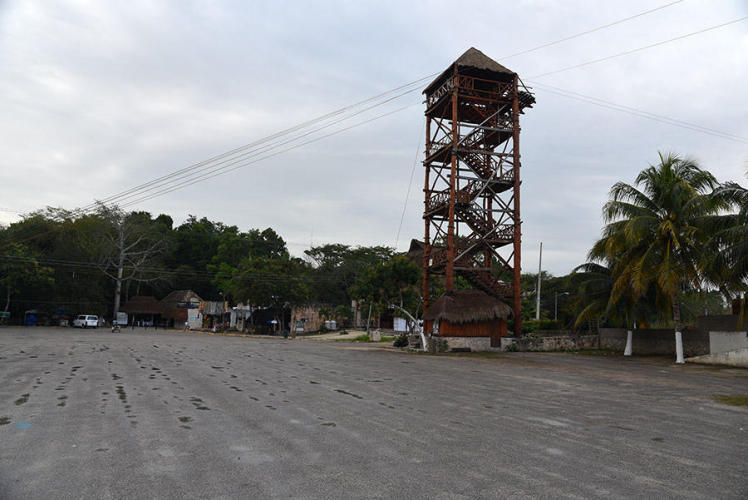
(628,350)
(678,335)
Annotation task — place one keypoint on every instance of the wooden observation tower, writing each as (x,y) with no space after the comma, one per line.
(472,186)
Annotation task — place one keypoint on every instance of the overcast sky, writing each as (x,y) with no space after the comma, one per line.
(97,97)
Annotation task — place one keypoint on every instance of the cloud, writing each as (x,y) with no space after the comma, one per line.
(98,97)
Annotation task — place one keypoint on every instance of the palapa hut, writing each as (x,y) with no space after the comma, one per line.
(468,314)
(143,309)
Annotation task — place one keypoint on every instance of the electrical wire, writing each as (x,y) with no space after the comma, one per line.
(221,171)
(255,152)
(271,137)
(91,208)
(94,268)
(410,185)
(163,180)
(593,30)
(639,112)
(205,177)
(639,49)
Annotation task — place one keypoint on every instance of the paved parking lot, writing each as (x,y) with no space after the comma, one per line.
(90,414)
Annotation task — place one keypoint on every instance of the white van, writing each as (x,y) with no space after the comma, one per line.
(85,321)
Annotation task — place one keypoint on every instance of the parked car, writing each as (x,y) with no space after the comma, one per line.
(85,321)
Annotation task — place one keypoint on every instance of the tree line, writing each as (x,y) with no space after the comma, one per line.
(673,247)
(61,263)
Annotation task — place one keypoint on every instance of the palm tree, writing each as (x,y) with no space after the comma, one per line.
(657,232)
(594,290)
(726,262)
(607,296)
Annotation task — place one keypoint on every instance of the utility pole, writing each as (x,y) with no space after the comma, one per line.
(555,304)
(540,274)
(368,319)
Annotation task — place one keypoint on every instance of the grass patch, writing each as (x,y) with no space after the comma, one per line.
(732,400)
(365,338)
(475,354)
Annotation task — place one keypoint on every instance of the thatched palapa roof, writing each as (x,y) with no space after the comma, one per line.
(467,306)
(142,304)
(181,296)
(474,63)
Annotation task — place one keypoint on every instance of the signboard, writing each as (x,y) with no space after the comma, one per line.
(122,319)
(188,305)
(194,318)
(4,314)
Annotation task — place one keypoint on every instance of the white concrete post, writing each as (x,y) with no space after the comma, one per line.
(629,343)
(679,348)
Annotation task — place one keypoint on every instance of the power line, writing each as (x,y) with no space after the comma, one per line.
(276,135)
(639,49)
(593,30)
(221,171)
(231,154)
(89,208)
(410,184)
(165,179)
(160,181)
(253,152)
(94,268)
(639,112)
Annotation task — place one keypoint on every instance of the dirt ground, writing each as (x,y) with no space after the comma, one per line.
(91,414)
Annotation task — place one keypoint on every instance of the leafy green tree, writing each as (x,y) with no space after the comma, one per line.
(20,268)
(233,247)
(725,261)
(196,242)
(595,291)
(343,314)
(392,283)
(50,235)
(337,267)
(275,283)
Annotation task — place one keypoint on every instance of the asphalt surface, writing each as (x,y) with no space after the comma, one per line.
(91,414)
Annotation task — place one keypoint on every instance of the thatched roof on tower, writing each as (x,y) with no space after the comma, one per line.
(466,306)
(474,63)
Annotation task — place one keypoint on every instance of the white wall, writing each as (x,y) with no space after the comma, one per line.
(727,341)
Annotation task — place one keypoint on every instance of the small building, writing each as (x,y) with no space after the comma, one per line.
(306,318)
(468,319)
(215,314)
(240,316)
(143,310)
(182,306)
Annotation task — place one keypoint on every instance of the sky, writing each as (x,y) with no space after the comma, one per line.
(97,97)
